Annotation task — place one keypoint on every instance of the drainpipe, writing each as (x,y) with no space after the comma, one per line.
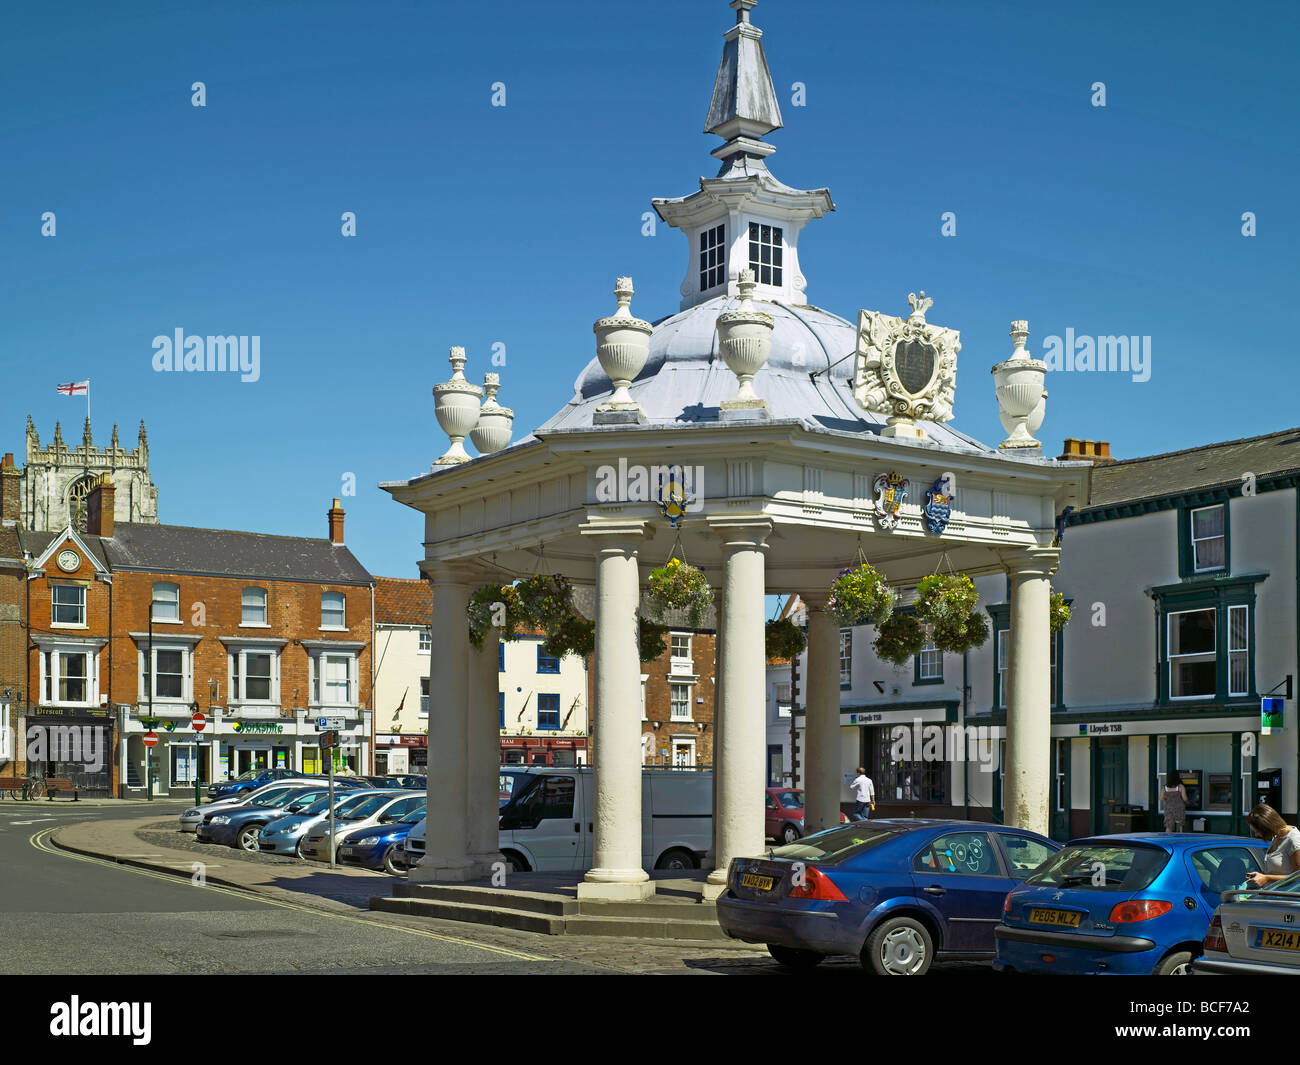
(965,708)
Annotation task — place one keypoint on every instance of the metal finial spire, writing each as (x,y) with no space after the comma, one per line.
(744,107)
(743,7)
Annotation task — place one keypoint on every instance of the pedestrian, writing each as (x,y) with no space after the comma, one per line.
(1283,857)
(1173,797)
(865,794)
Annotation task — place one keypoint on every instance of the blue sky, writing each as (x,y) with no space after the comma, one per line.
(480,225)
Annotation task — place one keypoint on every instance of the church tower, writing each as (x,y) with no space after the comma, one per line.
(56,479)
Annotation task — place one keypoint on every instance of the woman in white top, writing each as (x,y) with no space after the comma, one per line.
(1283,856)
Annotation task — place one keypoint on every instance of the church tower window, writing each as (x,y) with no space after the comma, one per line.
(765,253)
(713,257)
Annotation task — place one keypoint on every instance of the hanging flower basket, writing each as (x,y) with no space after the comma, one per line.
(546,600)
(785,640)
(489,605)
(652,638)
(678,585)
(898,638)
(946,603)
(861,596)
(1058,612)
(575,635)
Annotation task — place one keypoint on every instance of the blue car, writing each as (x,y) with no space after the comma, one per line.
(239,826)
(1128,904)
(248,781)
(377,847)
(897,894)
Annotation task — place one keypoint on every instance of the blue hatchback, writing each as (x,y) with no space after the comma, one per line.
(1128,904)
(376,847)
(898,894)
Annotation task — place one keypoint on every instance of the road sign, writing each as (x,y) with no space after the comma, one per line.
(198,722)
(329,739)
(150,739)
(323,723)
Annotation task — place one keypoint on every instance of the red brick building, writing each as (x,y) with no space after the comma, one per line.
(679,698)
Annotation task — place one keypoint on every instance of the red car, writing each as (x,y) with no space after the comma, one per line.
(784,817)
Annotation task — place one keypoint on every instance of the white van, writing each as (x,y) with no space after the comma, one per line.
(547,826)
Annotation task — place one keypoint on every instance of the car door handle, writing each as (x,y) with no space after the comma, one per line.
(577,826)
(934,889)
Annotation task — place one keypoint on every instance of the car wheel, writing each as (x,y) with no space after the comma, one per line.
(390,866)
(795,959)
(516,863)
(789,834)
(1179,963)
(298,848)
(676,859)
(248,837)
(900,946)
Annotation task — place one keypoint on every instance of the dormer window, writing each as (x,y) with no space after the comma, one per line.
(765,253)
(713,257)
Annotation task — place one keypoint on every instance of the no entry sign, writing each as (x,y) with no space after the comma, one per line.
(199,722)
(150,739)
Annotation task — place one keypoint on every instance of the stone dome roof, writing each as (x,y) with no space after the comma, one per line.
(684,379)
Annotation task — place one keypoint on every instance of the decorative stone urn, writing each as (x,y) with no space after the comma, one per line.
(456,405)
(495,422)
(1022,399)
(622,347)
(745,341)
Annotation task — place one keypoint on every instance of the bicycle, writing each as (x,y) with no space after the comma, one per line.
(36,787)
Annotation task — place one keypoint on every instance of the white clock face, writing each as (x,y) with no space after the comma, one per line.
(69,561)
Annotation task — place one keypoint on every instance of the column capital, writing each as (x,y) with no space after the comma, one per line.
(816,600)
(743,531)
(1031,561)
(624,534)
(458,572)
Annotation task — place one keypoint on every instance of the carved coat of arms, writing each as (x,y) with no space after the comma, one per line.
(906,369)
(891,490)
(938,506)
(672,496)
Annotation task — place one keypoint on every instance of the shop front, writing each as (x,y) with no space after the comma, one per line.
(71,744)
(401,753)
(544,750)
(1226,765)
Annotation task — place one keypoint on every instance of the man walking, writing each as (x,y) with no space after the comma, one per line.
(865,794)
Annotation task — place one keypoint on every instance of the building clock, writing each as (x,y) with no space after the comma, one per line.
(69,561)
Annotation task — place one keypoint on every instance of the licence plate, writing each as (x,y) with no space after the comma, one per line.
(345,850)
(1277,939)
(752,880)
(1059,918)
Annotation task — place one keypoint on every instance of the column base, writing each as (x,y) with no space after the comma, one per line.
(442,870)
(485,863)
(616,885)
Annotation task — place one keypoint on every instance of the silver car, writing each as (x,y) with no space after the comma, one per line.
(193,817)
(285,835)
(379,809)
(1254,932)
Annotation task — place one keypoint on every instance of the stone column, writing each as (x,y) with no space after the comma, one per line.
(822,769)
(1027,774)
(483,747)
(616,872)
(446,855)
(719,724)
(741,754)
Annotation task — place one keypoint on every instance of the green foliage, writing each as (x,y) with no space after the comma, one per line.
(861,596)
(1058,612)
(785,640)
(547,600)
(678,585)
(652,638)
(898,638)
(946,603)
(575,635)
(486,607)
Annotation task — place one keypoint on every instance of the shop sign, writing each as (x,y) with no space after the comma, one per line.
(257,726)
(412,741)
(1106,728)
(1270,716)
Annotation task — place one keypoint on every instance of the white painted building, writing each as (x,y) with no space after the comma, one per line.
(543,705)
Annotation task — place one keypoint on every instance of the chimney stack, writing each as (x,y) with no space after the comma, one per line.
(335,515)
(99,507)
(10,478)
(1095,451)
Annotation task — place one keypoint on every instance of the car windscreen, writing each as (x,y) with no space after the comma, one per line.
(413,818)
(790,800)
(363,806)
(1117,866)
(835,844)
(249,774)
(270,798)
(294,795)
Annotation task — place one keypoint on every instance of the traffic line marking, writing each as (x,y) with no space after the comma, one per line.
(40,840)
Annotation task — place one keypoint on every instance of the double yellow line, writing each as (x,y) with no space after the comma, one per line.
(41,841)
